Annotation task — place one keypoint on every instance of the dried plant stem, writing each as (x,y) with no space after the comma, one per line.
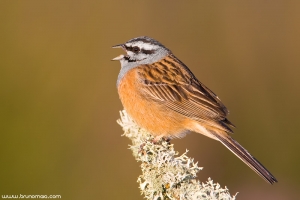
(165,174)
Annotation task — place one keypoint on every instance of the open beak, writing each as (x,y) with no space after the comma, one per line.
(118,46)
(120,57)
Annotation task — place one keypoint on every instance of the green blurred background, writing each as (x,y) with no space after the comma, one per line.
(59,103)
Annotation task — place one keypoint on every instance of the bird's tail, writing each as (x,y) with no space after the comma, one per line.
(246,157)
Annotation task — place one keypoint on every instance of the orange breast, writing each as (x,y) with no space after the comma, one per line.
(147,113)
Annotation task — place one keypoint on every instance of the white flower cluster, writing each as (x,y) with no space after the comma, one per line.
(165,174)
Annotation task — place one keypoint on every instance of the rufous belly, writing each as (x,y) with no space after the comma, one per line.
(148,113)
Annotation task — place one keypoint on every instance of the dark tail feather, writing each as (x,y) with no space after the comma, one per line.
(243,154)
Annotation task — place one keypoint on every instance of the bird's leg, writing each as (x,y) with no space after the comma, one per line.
(156,139)
(141,150)
(167,139)
(160,137)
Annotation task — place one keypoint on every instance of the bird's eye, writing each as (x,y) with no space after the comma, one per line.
(135,49)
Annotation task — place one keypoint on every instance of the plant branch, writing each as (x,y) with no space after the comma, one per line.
(165,175)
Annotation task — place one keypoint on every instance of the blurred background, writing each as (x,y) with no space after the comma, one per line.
(59,103)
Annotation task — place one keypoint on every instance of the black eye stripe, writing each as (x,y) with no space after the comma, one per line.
(147,51)
(128,48)
(132,49)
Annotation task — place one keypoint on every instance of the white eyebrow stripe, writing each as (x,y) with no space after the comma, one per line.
(143,45)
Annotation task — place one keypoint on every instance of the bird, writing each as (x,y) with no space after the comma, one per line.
(162,95)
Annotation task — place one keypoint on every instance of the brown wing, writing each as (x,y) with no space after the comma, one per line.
(171,83)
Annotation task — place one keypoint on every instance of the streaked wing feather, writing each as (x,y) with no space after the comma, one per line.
(182,92)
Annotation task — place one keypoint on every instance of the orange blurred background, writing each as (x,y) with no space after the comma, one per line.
(59,102)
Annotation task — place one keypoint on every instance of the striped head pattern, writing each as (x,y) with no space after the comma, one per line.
(141,50)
